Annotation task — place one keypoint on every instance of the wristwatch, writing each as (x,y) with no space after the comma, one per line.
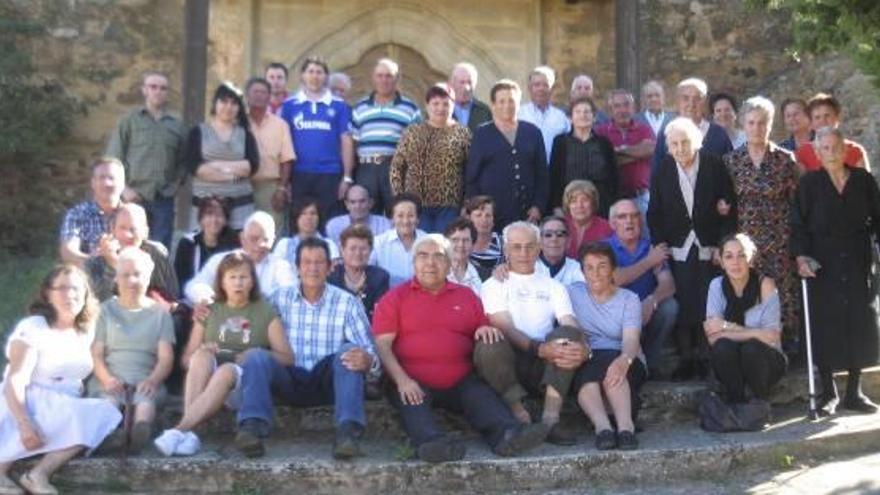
(725,326)
(348,180)
(629,360)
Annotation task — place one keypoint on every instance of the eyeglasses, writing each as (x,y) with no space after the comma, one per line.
(549,234)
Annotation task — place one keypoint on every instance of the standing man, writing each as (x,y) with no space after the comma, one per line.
(320,124)
(582,87)
(276,74)
(340,84)
(653,103)
(549,119)
(271,183)
(149,142)
(378,121)
(468,110)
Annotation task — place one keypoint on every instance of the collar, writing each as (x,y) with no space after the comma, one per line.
(415,286)
(372,98)
(299,297)
(547,262)
(326,98)
(642,246)
(144,111)
(467,105)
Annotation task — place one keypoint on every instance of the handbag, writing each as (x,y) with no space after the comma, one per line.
(720,417)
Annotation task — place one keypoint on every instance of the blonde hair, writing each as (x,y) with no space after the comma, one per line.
(580,186)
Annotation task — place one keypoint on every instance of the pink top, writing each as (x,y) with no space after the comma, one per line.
(599,230)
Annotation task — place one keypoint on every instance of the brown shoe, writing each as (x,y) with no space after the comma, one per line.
(140,436)
(249,444)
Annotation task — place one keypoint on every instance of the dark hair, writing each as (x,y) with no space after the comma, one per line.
(598,248)
(227,91)
(820,99)
(314,59)
(441,90)
(715,98)
(461,223)
(208,204)
(277,65)
(356,231)
(257,80)
(230,262)
(312,243)
(581,101)
(405,198)
(794,101)
(42,307)
(551,218)
(502,85)
(475,203)
(298,207)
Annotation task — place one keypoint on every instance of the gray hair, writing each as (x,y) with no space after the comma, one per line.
(339,76)
(530,227)
(391,65)
(470,68)
(438,240)
(695,82)
(263,220)
(546,71)
(688,128)
(612,212)
(140,259)
(578,78)
(761,105)
(653,84)
(827,131)
(620,92)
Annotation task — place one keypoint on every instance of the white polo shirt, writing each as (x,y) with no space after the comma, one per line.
(534,301)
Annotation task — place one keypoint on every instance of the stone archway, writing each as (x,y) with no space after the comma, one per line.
(416,73)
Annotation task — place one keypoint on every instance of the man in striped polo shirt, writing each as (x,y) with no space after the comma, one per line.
(379,120)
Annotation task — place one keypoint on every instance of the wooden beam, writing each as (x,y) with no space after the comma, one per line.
(195,59)
(627,45)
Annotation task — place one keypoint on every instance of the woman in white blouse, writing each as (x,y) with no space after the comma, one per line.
(393,249)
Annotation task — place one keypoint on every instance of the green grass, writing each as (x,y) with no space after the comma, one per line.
(19,280)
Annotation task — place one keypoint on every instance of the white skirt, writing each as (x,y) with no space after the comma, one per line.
(62,419)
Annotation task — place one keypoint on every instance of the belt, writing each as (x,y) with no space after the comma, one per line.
(231,202)
(374,159)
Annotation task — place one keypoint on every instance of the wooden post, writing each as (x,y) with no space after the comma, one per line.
(627,45)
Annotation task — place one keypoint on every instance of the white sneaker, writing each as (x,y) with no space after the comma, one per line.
(189,445)
(168,441)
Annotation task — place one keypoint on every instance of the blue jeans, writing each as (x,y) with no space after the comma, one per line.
(436,218)
(329,382)
(657,330)
(160,215)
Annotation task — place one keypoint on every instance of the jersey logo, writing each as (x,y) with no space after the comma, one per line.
(301,124)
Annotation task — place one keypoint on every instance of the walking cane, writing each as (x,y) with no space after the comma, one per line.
(814,412)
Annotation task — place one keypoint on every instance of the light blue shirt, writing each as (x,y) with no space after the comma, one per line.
(463,113)
(551,122)
(604,323)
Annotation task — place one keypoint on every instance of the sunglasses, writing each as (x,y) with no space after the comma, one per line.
(549,234)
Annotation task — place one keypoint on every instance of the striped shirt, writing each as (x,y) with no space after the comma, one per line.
(377,128)
(318,330)
(87,222)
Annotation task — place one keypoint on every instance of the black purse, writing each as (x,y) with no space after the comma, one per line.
(721,417)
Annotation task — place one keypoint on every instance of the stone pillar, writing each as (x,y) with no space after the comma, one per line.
(627,44)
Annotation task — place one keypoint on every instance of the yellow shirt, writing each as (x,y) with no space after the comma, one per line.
(273,139)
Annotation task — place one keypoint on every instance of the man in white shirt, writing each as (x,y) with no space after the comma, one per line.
(552,261)
(653,107)
(537,357)
(550,120)
(257,238)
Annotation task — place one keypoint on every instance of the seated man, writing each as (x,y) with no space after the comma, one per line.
(430,364)
(330,336)
(552,261)
(534,356)
(358,203)
(643,270)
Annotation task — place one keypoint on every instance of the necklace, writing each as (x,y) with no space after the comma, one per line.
(355,284)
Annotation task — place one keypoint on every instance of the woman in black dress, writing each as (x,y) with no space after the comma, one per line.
(836,210)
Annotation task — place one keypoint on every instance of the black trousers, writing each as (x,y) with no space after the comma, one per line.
(749,363)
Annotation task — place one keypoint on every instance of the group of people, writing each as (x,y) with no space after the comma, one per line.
(472,256)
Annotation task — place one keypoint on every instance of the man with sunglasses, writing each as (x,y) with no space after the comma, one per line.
(552,261)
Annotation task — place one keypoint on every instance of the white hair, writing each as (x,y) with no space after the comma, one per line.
(527,226)
(761,105)
(688,128)
(470,68)
(578,78)
(545,71)
(827,131)
(263,220)
(140,259)
(138,218)
(653,84)
(389,64)
(438,240)
(339,76)
(612,212)
(695,82)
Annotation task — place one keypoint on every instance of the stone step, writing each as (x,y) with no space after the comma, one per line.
(669,452)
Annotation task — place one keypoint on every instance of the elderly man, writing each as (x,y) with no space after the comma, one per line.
(468,110)
(550,120)
(582,87)
(379,121)
(330,336)
(358,203)
(536,356)
(691,99)
(633,145)
(340,84)
(824,111)
(552,261)
(653,107)
(271,182)
(85,223)
(257,237)
(431,364)
(149,142)
(276,73)
(643,269)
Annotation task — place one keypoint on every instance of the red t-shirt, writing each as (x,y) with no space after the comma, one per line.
(599,230)
(807,157)
(635,175)
(435,332)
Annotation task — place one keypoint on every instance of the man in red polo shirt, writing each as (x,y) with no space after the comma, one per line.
(425,332)
(824,111)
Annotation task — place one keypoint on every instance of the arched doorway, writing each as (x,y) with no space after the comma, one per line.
(417,74)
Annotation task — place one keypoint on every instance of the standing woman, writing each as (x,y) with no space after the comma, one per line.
(430,161)
(41,410)
(222,155)
(584,155)
(765,180)
(836,211)
(723,108)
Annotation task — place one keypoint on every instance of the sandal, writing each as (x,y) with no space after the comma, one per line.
(36,487)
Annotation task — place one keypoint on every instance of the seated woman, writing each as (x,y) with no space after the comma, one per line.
(42,410)
(305,217)
(487,251)
(743,324)
(239,320)
(612,319)
(462,234)
(393,249)
(133,349)
(212,236)
(580,206)
(369,283)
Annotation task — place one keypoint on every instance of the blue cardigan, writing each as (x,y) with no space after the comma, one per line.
(715,141)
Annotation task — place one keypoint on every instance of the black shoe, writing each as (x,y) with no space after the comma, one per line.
(140,437)
(828,406)
(605,440)
(521,438)
(443,449)
(685,371)
(248,440)
(347,442)
(561,436)
(626,440)
(860,404)
(113,444)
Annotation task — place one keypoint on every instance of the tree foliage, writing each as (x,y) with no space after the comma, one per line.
(847,26)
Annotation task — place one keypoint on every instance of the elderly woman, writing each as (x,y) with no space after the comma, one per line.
(222,154)
(612,319)
(507,160)
(692,206)
(487,251)
(239,320)
(41,411)
(462,234)
(393,249)
(430,161)
(583,155)
(742,324)
(212,236)
(723,109)
(765,179)
(355,274)
(835,214)
(580,205)
(133,349)
(305,217)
